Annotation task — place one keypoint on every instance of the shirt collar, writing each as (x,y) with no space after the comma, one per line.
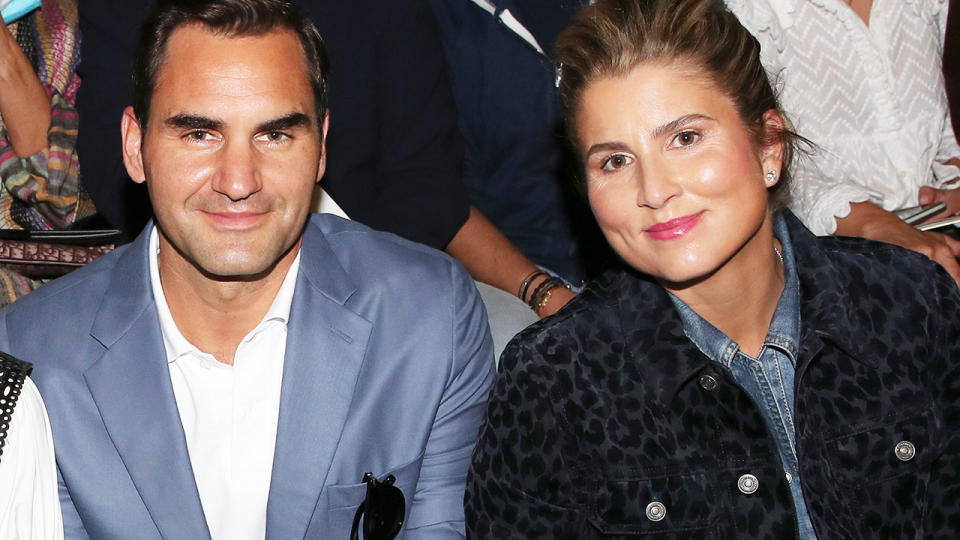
(784,330)
(175,344)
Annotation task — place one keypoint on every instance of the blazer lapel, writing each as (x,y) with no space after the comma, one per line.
(326,343)
(131,386)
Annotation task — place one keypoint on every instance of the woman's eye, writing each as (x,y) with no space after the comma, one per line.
(686,138)
(615,162)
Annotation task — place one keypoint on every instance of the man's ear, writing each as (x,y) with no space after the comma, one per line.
(771,154)
(323,146)
(132,141)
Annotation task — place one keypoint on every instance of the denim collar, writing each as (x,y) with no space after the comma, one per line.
(784,330)
(671,359)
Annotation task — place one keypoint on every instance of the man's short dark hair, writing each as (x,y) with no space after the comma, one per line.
(232,18)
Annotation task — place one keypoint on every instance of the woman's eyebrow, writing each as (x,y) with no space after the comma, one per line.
(674,125)
(606,147)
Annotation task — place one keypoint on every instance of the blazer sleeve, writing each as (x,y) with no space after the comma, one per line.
(437,510)
(518,486)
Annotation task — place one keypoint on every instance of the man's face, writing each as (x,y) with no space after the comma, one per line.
(231,152)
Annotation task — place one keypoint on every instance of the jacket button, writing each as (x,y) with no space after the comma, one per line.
(708,382)
(905,450)
(748,484)
(656,511)
(789,478)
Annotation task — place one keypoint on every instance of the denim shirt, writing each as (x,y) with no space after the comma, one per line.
(769,379)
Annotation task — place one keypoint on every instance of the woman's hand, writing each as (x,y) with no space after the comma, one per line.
(868,220)
(950,196)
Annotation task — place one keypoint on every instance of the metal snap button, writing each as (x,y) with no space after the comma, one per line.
(708,382)
(905,450)
(748,484)
(656,511)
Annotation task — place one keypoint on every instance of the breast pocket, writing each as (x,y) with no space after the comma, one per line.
(884,469)
(343,500)
(677,506)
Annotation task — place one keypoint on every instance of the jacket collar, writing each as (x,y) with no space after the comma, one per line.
(827,310)
(826,314)
(130,384)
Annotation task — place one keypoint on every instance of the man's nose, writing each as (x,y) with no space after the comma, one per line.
(239,176)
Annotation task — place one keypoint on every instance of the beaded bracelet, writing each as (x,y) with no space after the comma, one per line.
(522,293)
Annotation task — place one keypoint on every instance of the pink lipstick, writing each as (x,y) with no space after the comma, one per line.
(675,228)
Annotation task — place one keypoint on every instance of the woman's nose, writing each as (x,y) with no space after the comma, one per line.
(658,183)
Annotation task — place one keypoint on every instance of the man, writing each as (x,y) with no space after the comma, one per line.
(236,371)
(395,155)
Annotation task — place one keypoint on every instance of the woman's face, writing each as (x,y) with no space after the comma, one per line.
(673,176)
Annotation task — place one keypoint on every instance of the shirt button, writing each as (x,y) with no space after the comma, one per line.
(656,511)
(789,478)
(905,450)
(748,484)
(708,382)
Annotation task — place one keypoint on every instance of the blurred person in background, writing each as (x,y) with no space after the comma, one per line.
(862,80)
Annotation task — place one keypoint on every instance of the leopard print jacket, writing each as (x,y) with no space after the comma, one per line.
(606,421)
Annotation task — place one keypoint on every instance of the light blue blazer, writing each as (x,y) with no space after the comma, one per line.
(387,369)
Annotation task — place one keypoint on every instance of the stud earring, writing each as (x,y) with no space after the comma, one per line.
(771,177)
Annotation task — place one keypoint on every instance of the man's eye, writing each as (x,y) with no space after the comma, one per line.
(686,138)
(197,135)
(615,162)
(273,136)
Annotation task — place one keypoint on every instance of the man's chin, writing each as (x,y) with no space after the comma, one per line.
(235,270)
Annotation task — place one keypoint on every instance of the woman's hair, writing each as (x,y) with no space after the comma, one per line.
(612,37)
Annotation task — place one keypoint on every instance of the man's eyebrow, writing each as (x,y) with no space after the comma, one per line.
(674,125)
(192,121)
(292,120)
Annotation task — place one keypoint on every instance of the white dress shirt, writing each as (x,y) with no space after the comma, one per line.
(871,97)
(229,413)
(29,503)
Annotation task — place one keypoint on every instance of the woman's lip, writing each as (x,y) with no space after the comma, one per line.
(675,228)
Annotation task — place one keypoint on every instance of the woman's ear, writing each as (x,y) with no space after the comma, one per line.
(771,153)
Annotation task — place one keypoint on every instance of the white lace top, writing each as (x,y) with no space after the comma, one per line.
(871,98)
(29,503)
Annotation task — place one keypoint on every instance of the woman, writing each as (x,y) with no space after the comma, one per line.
(29,504)
(862,79)
(39,171)
(748,379)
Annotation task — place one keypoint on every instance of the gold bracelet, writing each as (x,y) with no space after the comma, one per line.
(546,297)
